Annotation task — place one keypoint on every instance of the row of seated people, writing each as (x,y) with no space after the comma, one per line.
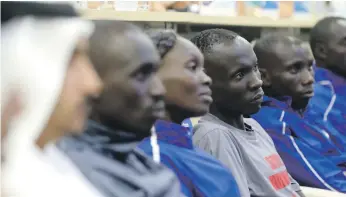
(234,155)
(139,79)
(303,109)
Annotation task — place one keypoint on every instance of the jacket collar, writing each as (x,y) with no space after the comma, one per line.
(172,133)
(283,103)
(105,138)
(322,74)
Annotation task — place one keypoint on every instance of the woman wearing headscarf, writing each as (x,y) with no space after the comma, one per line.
(45,60)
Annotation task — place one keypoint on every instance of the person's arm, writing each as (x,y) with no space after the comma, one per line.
(215,143)
(186,184)
(10,109)
(308,166)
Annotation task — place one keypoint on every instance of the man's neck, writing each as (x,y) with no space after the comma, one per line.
(176,114)
(110,124)
(232,118)
(271,93)
(338,72)
(320,63)
(299,105)
(333,69)
(114,126)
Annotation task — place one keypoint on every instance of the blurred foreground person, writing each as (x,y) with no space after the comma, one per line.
(45,59)
(11,98)
(328,45)
(122,116)
(188,95)
(11,107)
(311,148)
(240,143)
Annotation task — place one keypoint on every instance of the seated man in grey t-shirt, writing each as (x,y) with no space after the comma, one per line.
(240,143)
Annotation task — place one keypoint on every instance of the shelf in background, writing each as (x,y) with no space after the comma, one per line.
(191,18)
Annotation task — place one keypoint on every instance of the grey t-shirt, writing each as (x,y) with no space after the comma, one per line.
(251,156)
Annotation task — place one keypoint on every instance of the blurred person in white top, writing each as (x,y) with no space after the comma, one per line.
(45,61)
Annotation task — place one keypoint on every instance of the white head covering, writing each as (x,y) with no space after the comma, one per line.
(34,57)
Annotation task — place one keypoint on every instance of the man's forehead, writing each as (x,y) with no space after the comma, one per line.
(242,48)
(232,56)
(338,29)
(221,53)
(239,47)
(302,50)
(341,23)
(293,51)
(136,46)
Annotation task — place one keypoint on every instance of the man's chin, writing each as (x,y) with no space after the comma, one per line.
(142,129)
(199,111)
(300,103)
(251,111)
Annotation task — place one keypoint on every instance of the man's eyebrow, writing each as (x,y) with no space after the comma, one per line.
(242,68)
(292,62)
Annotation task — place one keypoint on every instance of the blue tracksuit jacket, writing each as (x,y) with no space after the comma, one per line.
(334,92)
(200,174)
(312,155)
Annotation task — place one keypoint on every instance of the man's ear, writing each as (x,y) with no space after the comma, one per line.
(320,51)
(265,77)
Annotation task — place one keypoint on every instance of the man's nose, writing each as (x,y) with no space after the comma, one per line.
(157,88)
(255,81)
(307,77)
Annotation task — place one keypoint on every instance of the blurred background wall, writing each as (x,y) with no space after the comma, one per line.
(251,19)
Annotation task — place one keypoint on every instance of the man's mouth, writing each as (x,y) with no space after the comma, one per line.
(158,110)
(258,98)
(308,94)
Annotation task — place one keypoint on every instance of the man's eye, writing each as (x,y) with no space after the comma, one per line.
(295,68)
(140,76)
(143,74)
(311,68)
(239,75)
